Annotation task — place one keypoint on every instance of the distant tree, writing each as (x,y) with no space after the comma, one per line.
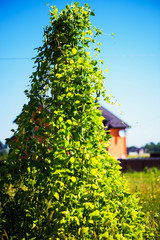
(152,147)
(65,184)
(3,149)
(1,145)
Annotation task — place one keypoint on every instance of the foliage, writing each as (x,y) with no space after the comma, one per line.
(3,149)
(147,186)
(60,182)
(152,147)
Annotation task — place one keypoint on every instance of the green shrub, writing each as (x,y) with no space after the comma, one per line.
(61,182)
(146,169)
(154,170)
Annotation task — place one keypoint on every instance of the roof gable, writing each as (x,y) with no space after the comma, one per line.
(111,121)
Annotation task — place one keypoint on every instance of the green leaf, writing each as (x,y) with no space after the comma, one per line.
(106,70)
(56,195)
(73,179)
(80,60)
(94,186)
(55,12)
(72,159)
(69,122)
(101,61)
(45,38)
(96,213)
(94,171)
(92,13)
(60,119)
(76,4)
(97,49)
(86,5)
(94,62)
(74,50)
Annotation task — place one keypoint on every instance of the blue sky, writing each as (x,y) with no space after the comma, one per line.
(132,57)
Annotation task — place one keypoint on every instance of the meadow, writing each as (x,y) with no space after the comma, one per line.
(147,187)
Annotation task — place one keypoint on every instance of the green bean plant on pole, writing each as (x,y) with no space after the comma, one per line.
(61,182)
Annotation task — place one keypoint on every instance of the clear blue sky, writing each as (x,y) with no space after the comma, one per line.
(132,57)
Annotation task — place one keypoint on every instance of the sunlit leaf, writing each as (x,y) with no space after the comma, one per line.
(80,60)
(56,195)
(74,50)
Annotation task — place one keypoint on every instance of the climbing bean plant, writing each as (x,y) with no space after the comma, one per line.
(61,182)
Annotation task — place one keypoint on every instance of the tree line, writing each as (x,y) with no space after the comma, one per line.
(152,147)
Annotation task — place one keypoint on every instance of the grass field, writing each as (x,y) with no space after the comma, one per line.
(147,186)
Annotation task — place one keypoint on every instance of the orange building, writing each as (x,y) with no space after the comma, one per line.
(117,129)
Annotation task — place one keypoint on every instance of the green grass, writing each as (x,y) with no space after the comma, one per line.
(145,155)
(147,186)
